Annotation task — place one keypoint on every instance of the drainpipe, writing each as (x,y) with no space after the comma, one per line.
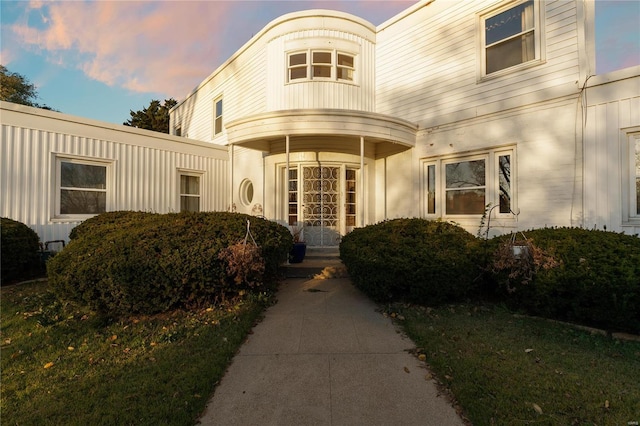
(362,181)
(231,178)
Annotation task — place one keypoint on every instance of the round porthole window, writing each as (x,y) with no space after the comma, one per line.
(246,192)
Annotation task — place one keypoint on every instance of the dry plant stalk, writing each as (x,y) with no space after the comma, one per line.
(244,263)
(520,268)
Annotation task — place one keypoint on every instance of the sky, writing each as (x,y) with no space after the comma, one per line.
(100,59)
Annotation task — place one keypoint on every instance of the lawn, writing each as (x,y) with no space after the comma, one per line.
(62,364)
(512,370)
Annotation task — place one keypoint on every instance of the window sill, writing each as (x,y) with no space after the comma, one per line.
(71,218)
(510,70)
(322,80)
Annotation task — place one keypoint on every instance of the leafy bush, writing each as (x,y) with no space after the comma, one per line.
(591,277)
(414,260)
(131,262)
(20,244)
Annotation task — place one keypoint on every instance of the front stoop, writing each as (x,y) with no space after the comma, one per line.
(321,262)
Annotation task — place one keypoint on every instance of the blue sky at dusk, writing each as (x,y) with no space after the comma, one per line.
(100,59)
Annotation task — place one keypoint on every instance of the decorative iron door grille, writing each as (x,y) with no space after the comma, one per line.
(321,205)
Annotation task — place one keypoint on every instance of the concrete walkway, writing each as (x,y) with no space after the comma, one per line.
(324,356)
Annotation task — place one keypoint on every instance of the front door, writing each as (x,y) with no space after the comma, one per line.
(323,198)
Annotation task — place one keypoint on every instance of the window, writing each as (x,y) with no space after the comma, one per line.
(510,37)
(293,197)
(217,117)
(189,193)
(633,180)
(324,64)
(81,187)
(431,188)
(321,65)
(177,131)
(297,66)
(351,197)
(345,67)
(246,192)
(464,186)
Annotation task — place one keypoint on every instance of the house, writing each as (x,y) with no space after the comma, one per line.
(454,110)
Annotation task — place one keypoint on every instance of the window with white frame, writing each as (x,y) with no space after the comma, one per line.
(457,186)
(217,116)
(82,187)
(320,64)
(510,36)
(633,180)
(189,192)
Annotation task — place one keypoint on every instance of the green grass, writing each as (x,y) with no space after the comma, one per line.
(64,365)
(511,370)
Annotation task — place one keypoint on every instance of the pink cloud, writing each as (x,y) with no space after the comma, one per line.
(142,46)
(158,46)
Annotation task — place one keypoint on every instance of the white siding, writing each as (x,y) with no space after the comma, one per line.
(322,94)
(253,80)
(613,111)
(427,64)
(145,166)
(546,171)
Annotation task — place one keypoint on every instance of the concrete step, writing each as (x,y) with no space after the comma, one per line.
(321,262)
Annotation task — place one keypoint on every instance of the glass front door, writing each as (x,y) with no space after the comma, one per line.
(323,198)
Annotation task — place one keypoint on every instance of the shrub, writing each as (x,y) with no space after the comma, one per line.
(131,262)
(19,251)
(591,277)
(414,260)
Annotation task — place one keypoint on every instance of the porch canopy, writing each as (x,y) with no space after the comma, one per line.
(327,130)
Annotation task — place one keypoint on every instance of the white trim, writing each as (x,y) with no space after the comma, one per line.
(200,174)
(538,34)
(110,185)
(629,139)
(491,184)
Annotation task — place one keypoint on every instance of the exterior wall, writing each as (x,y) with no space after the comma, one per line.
(254,79)
(428,61)
(547,176)
(145,166)
(612,114)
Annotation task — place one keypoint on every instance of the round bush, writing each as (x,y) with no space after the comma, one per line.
(415,260)
(592,277)
(131,262)
(20,246)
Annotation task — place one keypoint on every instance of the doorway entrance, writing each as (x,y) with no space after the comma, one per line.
(323,198)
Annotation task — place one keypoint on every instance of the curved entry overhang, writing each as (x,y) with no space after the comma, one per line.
(326,130)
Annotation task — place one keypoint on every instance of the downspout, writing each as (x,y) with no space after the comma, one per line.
(231,209)
(362,198)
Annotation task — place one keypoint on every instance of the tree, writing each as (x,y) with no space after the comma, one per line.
(154,117)
(18,89)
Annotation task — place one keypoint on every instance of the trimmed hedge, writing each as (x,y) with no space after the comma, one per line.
(120,263)
(594,280)
(413,260)
(20,247)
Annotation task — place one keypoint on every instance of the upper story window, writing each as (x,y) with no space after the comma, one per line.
(345,67)
(81,187)
(217,116)
(319,64)
(510,37)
